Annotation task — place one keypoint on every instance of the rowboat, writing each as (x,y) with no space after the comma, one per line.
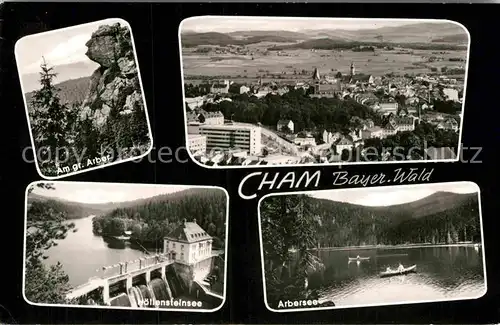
(358,258)
(407,270)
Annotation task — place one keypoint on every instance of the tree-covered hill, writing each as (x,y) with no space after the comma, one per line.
(221,39)
(439,218)
(432,204)
(456,38)
(414,36)
(152,219)
(334,44)
(70,91)
(71,210)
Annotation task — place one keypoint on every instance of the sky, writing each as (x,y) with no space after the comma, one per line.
(106,192)
(230,24)
(384,196)
(59,47)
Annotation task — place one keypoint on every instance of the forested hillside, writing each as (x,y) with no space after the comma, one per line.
(413,36)
(221,39)
(152,219)
(39,205)
(335,44)
(439,218)
(70,91)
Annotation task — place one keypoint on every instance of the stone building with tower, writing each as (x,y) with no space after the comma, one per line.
(325,88)
(333,87)
(190,247)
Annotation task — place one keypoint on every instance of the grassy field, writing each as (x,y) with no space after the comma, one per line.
(328,62)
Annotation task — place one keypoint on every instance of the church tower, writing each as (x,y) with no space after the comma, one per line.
(316,80)
(316,76)
(352,70)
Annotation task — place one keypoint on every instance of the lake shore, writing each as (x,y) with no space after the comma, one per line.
(393,246)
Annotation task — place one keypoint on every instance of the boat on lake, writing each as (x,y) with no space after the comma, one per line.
(354,259)
(407,270)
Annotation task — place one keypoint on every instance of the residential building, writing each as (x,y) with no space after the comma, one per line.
(389,129)
(195,102)
(192,116)
(197,143)
(211,118)
(304,141)
(244,89)
(193,127)
(231,136)
(278,159)
(344,144)
(450,124)
(403,123)
(327,137)
(451,94)
(388,108)
(367,99)
(220,87)
(373,132)
(203,117)
(285,123)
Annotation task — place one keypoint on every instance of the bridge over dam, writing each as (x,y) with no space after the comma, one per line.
(154,281)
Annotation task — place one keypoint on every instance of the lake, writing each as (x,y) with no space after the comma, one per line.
(83,254)
(443,273)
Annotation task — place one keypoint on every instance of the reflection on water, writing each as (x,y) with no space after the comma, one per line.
(443,273)
(83,254)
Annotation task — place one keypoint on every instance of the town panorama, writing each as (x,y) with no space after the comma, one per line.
(343,92)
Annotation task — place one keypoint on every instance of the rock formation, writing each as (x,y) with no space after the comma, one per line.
(115,84)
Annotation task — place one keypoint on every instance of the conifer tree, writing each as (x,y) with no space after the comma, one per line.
(44,283)
(49,122)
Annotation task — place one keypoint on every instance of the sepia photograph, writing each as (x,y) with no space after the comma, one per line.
(84,98)
(125,246)
(378,246)
(279,91)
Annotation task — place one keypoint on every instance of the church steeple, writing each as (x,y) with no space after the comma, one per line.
(352,69)
(316,76)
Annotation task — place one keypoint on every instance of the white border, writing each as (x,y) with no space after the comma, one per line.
(459,145)
(123,23)
(286,310)
(128,308)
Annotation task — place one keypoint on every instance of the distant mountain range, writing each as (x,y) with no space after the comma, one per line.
(450,34)
(64,73)
(442,217)
(76,210)
(432,204)
(71,91)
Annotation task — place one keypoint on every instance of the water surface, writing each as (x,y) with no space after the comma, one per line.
(443,273)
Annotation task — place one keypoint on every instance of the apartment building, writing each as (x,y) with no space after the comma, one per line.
(230,136)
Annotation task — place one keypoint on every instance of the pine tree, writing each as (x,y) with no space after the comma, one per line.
(49,122)
(44,284)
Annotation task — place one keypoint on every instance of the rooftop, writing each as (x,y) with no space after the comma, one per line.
(188,232)
(195,136)
(374,129)
(229,127)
